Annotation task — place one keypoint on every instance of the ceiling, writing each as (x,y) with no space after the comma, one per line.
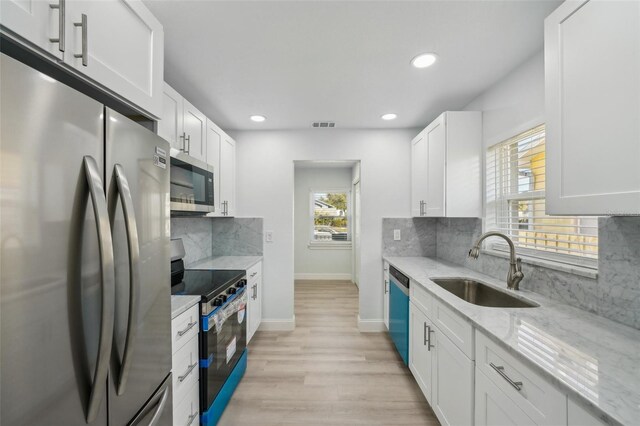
(302,61)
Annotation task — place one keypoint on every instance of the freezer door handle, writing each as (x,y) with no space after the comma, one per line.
(124,192)
(159,400)
(107,278)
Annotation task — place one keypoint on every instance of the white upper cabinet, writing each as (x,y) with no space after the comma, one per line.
(171,121)
(117,44)
(214,143)
(228,176)
(37,22)
(194,132)
(446,167)
(592,64)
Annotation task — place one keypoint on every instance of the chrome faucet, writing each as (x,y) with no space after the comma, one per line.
(515,264)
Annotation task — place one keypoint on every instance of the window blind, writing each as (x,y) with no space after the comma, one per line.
(515,204)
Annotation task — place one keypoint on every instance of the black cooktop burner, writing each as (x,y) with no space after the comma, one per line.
(206,282)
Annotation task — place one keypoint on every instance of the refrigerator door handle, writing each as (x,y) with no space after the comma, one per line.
(107,278)
(159,400)
(124,191)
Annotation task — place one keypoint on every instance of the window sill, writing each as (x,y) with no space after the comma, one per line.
(582,271)
(330,246)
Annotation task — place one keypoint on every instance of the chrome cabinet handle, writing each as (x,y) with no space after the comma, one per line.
(186,373)
(255,291)
(107,279)
(183,136)
(424,333)
(386,286)
(191,418)
(428,342)
(61,13)
(422,209)
(186,330)
(500,370)
(254,274)
(187,143)
(122,188)
(85,41)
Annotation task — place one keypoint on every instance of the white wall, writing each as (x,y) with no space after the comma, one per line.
(325,263)
(514,104)
(265,189)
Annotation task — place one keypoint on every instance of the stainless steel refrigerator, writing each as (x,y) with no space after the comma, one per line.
(85,327)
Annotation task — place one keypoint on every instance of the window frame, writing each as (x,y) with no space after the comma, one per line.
(499,246)
(313,243)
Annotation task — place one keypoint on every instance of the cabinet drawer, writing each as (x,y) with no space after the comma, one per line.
(493,407)
(184,327)
(454,327)
(421,297)
(536,397)
(185,368)
(186,412)
(254,273)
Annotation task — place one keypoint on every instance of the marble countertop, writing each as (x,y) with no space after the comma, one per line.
(180,303)
(594,360)
(227,262)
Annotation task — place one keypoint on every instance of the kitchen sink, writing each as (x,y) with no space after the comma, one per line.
(481,294)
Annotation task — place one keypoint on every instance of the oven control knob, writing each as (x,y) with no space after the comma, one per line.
(241,283)
(222,297)
(218,301)
(231,290)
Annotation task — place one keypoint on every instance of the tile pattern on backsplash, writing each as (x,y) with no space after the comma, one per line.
(237,236)
(204,237)
(195,233)
(614,295)
(418,237)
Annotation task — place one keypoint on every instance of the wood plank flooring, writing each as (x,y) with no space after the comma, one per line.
(326,372)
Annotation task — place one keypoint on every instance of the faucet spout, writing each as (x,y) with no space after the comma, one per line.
(515,274)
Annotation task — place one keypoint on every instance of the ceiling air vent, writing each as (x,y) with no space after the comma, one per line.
(324,124)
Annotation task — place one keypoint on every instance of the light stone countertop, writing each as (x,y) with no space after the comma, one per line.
(227,262)
(594,360)
(181,303)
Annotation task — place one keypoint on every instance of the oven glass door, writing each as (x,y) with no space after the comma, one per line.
(191,186)
(222,346)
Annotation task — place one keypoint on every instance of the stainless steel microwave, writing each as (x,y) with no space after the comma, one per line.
(191,185)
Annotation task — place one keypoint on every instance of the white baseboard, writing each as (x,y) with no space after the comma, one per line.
(278,324)
(323,277)
(371,326)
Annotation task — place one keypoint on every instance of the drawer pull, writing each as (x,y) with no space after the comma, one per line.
(191,418)
(186,330)
(186,373)
(500,370)
(254,274)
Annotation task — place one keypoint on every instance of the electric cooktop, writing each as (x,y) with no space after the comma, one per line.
(206,282)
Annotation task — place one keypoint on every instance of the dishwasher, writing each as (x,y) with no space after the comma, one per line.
(399,312)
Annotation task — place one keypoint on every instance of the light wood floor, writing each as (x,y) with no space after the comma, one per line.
(326,372)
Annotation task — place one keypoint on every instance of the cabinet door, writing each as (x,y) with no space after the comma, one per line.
(214,144)
(578,416)
(228,175)
(124,48)
(385,305)
(420,352)
(436,138)
(593,105)
(194,127)
(34,21)
(170,124)
(418,174)
(493,407)
(452,382)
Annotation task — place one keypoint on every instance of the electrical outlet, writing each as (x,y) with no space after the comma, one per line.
(396,235)
(268,236)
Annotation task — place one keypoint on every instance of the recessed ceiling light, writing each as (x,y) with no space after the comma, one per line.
(389,116)
(424,60)
(258,118)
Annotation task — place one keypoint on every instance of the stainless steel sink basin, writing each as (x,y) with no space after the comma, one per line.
(481,294)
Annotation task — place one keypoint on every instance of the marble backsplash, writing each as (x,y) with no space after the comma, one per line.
(418,236)
(205,237)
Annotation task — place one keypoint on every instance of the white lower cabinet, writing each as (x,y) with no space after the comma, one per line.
(578,416)
(420,355)
(187,411)
(185,367)
(493,407)
(254,299)
(452,388)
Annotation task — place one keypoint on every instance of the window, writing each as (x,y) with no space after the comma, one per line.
(515,205)
(330,217)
